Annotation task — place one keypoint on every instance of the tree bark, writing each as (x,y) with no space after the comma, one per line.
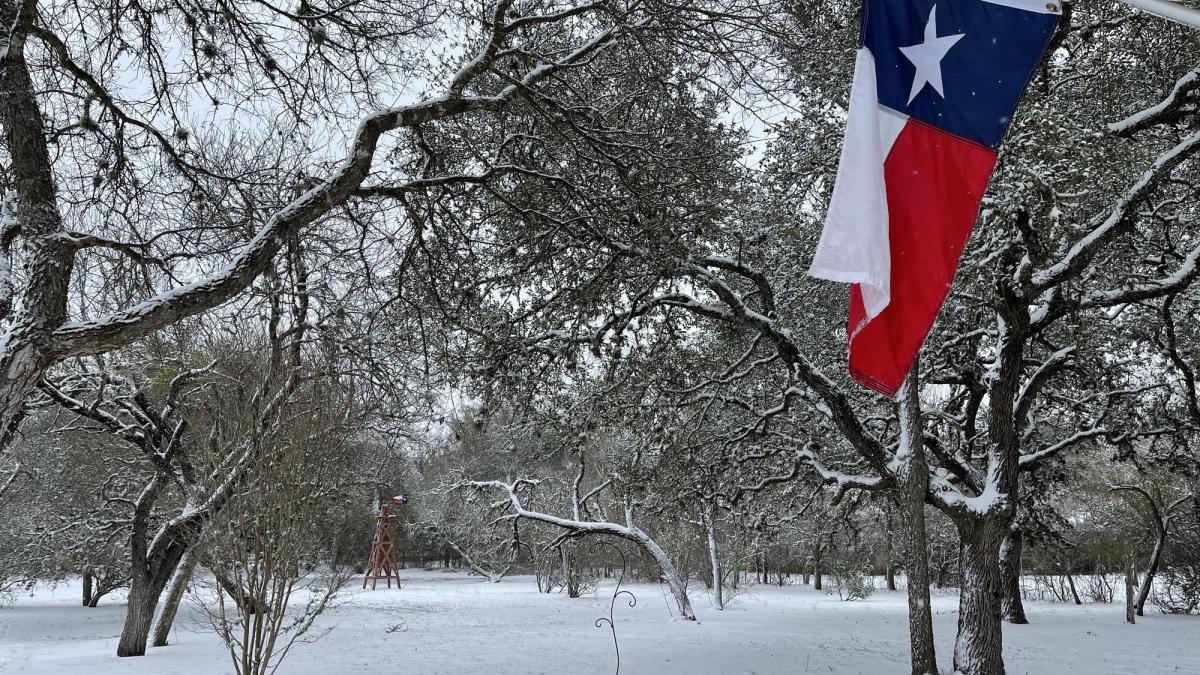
(817,564)
(1151,571)
(889,569)
(87,589)
(1071,585)
(978,649)
(243,598)
(175,590)
(1010,570)
(148,583)
(152,564)
(1130,582)
(669,573)
(912,482)
(142,600)
(25,348)
(570,579)
(709,518)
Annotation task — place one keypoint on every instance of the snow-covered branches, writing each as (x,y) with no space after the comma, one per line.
(1180,102)
(11,481)
(512,493)
(1116,221)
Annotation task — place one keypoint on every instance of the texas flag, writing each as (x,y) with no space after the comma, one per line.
(935,86)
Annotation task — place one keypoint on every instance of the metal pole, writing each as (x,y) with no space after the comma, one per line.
(1172,11)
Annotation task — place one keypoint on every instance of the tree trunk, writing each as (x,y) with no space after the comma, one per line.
(26,346)
(889,566)
(570,579)
(87,589)
(912,482)
(243,598)
(1130,582)
(1071,585)
(1160,520)
(1010,573)
(817,565)
(479,569)
(978,649)
(148,581)
(669,573)
(152,567)
(709,518)
(175,590)
(142,600)
(1148,581)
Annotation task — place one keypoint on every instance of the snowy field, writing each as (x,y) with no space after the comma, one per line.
(452,623)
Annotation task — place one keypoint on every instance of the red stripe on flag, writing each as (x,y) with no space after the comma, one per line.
(935,183)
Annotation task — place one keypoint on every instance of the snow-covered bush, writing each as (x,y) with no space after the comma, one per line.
(851,584)
(1179,590)
(1178,587)
(1097,587)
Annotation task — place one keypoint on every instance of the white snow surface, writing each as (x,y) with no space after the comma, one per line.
(453,623)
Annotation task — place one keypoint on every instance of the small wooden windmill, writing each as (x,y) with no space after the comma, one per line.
(382,564)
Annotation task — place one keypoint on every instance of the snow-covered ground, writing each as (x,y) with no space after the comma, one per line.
(451,623)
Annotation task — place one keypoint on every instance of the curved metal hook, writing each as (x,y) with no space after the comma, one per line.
(612,605)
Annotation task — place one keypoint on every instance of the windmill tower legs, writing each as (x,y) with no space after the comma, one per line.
(382,564)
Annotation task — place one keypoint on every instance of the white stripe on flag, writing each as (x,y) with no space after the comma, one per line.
(854,246)
(891,123)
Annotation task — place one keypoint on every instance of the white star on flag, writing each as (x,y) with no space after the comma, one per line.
(927,57)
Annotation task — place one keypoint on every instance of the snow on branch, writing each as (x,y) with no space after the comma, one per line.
(95,413)
(957,464)
(13,40)
(1107,228)
(1033,459)
(740,491)
(1178,103)
(1096,429)
(832,398)
(511,491)
(11,481)
(1182,277)
(991,500)
(1042,375)
(577,527)
(841,482)
(116,330)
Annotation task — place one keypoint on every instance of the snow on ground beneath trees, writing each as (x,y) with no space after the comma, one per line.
(452,623)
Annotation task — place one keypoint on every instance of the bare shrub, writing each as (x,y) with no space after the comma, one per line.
(270,549)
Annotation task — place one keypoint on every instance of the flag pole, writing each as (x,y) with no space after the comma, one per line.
(1172,11)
